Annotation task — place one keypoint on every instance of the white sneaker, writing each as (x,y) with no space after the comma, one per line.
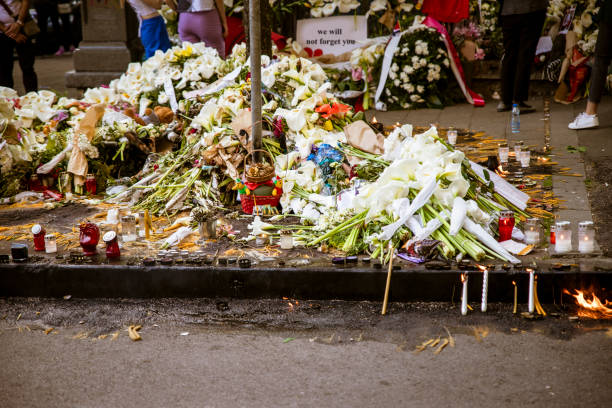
(584,121)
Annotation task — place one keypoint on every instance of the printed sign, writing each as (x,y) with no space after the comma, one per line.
(331,35)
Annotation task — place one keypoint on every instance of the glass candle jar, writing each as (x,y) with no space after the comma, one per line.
(90,184)
(34,183)
(112,245)
(261,240)
(141,224)
(286,239)
(89,237)
(505,225)
(451,134)
(518,146)
(553,237)
(503,151)
(64,182)
(525,158)
(128,228)
(50,244)
(586,237)
(79,189)
(38,234)
(563,237)
(532,231)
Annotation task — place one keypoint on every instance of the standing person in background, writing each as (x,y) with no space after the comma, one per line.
(46,10)
(64,9)
(603,56)
(13,15)
(202,21)
(521,22)
(153,32)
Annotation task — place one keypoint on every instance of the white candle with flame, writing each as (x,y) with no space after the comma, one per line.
(530,304)
(485,290)
(586,245)
(464,294)
(563,241)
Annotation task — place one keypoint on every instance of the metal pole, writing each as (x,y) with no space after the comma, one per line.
(255,47)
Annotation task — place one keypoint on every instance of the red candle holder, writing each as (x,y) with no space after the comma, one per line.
(112,245)
(39,237)
(90,184)
(553,237)
(505,225)
(89,237)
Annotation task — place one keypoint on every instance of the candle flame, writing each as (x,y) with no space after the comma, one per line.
(374,119)
(482,267)
(397,124)
(529,270)
(514,283)
(463,277)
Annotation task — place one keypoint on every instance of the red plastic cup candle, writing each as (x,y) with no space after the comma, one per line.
(39,237)
(89,237)
(112,245)
(90,184)
(505,225)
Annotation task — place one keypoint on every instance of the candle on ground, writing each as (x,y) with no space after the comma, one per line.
(464,293)
(515,297)
(530,304)
(485,290)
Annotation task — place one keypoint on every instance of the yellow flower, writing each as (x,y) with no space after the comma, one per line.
(328,125)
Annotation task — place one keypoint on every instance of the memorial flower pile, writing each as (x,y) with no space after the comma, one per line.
(582,22)
(358,199)
(326,8)
(419,74)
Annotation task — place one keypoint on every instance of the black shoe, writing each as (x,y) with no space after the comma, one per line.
(502,107)
(524,108)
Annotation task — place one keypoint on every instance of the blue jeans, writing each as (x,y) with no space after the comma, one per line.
(154,36)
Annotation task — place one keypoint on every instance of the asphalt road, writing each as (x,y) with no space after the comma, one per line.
(214,353)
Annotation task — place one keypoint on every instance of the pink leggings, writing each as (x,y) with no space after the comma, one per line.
(202,26)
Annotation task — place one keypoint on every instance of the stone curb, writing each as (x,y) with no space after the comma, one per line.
(356,283)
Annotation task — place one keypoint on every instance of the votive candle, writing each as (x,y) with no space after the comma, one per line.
(586,237)
(563,237)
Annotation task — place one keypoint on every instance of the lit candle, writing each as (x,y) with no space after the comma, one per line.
(532,231)
(50,244)
(530,304)
(464,294)
(515,297)
(563,237)
(485,289)
(452,136)
(503,152)
(586,237)
(505,225)
(261,240)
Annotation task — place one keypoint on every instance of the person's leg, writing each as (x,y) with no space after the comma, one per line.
(188,27)
(210,31)
(154,36)
(531,27)
(603,56)
(509,60)
(27,56)
(7,46)
(66,39)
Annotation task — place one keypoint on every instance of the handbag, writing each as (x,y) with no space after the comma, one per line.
(30,28)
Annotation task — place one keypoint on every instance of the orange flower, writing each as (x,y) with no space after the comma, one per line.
(329,110)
